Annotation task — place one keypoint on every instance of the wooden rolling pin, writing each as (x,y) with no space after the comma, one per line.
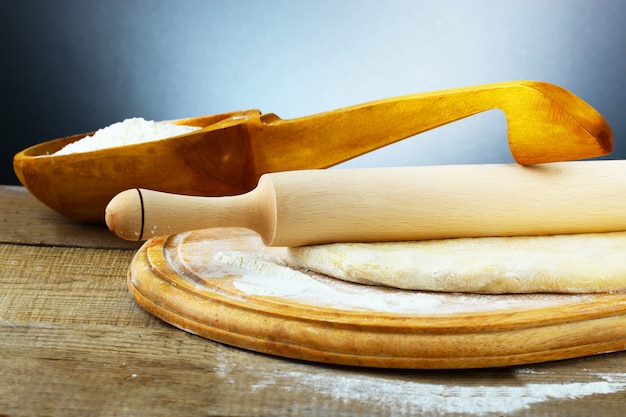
(393,204)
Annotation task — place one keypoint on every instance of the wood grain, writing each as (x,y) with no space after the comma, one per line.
(74,343)
(25,220)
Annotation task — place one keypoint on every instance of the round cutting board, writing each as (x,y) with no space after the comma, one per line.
(225,285)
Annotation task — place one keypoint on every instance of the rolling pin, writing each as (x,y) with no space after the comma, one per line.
(308,207)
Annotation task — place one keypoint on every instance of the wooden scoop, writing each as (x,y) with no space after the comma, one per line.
(394,204)
(229,154)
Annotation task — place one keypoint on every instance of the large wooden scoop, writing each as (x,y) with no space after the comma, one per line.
(393,204)
(229,154)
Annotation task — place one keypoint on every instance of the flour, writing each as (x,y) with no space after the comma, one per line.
(408,398)
(409,395)
(457,399)
(265,278)
(257,276)
(289,282)
(127,132)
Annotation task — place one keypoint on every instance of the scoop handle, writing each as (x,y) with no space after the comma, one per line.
(393,204)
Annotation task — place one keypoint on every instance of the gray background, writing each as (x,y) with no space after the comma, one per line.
(73,66)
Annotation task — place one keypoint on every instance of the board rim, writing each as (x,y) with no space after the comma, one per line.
(320,334)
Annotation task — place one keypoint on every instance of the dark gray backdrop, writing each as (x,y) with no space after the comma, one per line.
(73,66)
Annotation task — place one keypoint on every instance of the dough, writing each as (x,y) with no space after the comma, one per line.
(579,263)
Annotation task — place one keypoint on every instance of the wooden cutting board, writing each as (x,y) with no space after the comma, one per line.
(207,283)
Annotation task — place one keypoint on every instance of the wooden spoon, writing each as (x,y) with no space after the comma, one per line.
(229,154)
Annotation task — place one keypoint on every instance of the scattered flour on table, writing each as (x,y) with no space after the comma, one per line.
(404,397)
(408,397)
(127,132)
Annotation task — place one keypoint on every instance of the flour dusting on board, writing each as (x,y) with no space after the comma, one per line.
(270,277)
(292,282)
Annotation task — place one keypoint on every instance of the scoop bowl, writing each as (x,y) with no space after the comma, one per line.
(80,185)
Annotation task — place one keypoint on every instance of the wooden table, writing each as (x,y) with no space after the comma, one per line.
(74,343)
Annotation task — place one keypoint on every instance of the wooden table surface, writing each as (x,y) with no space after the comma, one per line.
(74,343)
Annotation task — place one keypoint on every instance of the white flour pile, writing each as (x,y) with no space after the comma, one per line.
(127,132)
